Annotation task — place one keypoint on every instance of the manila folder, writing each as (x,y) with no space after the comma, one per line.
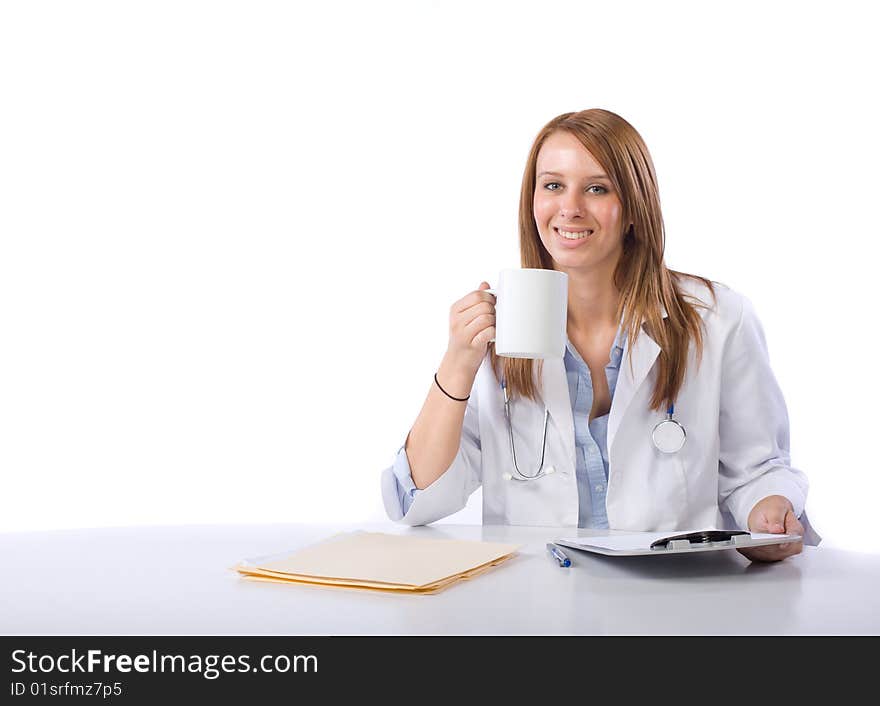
(378,560)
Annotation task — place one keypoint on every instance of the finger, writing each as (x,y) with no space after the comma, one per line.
(478,325)
(483,337)
(784,550)
(775,516)
(773,552)
(756,555)
(467,301)
(765,554)
(792,548)
(762,523)
(471,313)
(792,524)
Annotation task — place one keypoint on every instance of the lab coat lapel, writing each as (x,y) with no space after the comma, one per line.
(644,353)
(554,386)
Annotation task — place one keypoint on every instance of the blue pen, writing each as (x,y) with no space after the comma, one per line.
(561,559)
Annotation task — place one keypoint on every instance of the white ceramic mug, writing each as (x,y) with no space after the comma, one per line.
(531,313)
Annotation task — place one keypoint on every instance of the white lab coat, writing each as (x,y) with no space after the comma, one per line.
(736,453)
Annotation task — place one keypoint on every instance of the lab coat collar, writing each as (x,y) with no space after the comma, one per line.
(632,374)
(558,400)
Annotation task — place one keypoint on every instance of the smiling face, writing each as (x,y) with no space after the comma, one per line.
(577,211)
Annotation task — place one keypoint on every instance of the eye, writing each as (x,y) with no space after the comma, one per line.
(595,188)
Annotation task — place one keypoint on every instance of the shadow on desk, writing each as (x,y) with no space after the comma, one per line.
(707,593)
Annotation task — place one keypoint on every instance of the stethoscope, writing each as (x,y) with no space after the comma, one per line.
(668,436)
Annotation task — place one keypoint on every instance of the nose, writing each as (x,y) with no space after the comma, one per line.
(571,206)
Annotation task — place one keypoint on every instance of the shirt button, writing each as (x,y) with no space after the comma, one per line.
(600,488)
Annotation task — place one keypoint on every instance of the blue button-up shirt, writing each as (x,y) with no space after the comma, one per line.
(590,439)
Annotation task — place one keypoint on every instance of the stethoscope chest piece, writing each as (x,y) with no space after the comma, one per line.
(668,435)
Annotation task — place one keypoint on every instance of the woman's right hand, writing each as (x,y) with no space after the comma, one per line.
(471,327)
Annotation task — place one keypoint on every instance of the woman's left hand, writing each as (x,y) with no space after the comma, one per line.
(775,515)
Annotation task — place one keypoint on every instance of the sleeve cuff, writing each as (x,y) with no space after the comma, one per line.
(775,482)
(398,488)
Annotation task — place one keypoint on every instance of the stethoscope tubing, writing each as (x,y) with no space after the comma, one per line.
(668,437)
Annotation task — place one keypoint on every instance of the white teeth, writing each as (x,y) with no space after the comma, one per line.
(574,236)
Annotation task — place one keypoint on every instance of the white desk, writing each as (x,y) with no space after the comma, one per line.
(176,581)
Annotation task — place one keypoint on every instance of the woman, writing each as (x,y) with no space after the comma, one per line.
(641,338)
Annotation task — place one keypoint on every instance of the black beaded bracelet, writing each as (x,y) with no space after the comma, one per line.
(457,399)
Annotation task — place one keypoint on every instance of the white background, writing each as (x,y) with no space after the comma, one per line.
(230,232)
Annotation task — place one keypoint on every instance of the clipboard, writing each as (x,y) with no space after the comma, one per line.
(681,542)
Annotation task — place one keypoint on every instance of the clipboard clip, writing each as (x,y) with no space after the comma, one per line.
(703,537)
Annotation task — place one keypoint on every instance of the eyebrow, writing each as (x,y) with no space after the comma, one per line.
(594,176)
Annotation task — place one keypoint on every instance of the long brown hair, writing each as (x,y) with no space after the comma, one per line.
(646,285)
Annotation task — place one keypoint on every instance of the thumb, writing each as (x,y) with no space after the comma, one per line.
(484,285)
(775,516)
(792,524)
